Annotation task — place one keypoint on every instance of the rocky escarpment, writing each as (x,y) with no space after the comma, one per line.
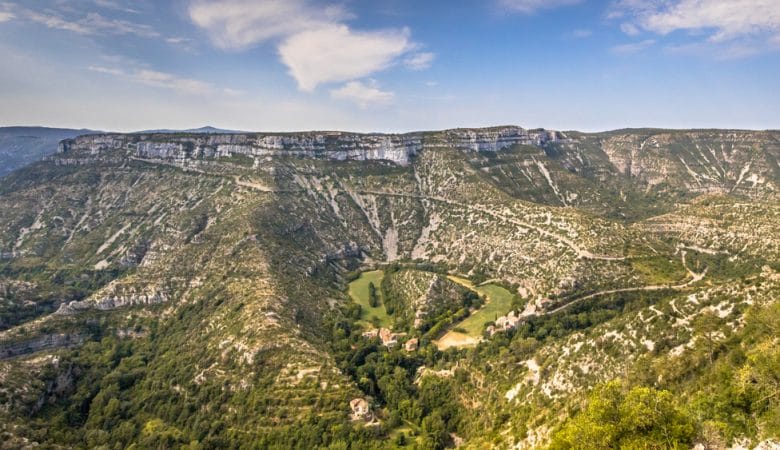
(744,162)
(398,148)
(43,342)
(110,302)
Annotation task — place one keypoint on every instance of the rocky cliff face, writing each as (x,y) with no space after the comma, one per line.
(39,343)
(398,148)
(745,162)
(229,276)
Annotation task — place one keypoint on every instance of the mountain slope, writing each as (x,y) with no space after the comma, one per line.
(187,289)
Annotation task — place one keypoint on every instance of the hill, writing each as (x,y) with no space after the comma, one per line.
(187,289)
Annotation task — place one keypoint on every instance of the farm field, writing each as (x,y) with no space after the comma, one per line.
(358,291)
(498,303)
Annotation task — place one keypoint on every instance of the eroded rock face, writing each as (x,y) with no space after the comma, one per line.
(495,139)
(700,161)
(397,148)
(110,302)
(42,342)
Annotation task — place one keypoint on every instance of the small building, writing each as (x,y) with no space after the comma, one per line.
(504,323)
(411,345)
(371,334)
(388,338)
(360,409)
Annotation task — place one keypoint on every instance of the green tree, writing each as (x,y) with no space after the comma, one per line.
(373,298)
(639,418)
(707,326)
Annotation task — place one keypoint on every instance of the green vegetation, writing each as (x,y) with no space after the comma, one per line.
(360,291)
(656,270)
(373,297)
(499,301)
(639,418)
(213,315)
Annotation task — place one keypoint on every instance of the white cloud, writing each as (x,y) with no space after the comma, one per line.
(312,41)
(362,94)
(633,47)
(110,4)
(722,19)
(91,24)
(5,16)
(98,24)
(238,24)
(162,80)
(532,6)
(56,22)
(419,61)
(629,28)
(336,53)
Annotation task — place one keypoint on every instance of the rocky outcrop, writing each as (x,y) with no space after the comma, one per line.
(110,302)
(339,146)
(44,342)
(699,160)
(495,139)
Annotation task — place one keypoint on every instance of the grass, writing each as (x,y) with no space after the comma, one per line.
(358,290)
(659,269)
(499,303)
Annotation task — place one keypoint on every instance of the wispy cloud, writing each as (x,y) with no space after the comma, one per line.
(162,80)
(629,28)
(419,61)
(186,44)
(5,16)
(238,24)
(720,20)
(634,47)
(91,23)
(315,43)
(364,94)
(114,5)
(98,24)
(55,22)
(532,6)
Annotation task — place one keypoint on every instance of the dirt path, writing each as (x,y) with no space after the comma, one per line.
(694,278)
(255,186)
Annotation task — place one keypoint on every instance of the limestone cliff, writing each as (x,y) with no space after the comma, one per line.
(398,148)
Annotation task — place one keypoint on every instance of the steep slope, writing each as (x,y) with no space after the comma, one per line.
(172,289)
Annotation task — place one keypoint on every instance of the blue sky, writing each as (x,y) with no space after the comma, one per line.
(393,65)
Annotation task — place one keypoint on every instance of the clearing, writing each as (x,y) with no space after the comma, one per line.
(498,303)
(358,290)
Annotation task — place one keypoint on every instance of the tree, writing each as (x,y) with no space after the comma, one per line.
(640,418)
(434,430)
(707,325)
(373,298)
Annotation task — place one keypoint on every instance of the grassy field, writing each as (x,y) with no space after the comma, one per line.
(358,290)
(499,303)
(659,269)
